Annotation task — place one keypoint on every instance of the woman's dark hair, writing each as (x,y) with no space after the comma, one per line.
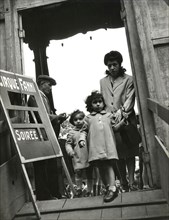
(114,55)
(94,95)
(73,114)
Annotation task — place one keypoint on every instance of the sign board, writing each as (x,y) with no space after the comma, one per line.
(35,139)
(30,127)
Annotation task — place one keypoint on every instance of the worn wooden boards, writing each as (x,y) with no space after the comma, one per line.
(133,205)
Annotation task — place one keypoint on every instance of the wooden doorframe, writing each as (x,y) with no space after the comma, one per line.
(139,75)
(141,87)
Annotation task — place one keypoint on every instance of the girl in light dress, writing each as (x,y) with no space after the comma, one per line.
(101,142)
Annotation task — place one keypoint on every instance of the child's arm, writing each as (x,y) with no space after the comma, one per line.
(83,135)
(69,144)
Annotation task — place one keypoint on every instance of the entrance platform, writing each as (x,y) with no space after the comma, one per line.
(139,205)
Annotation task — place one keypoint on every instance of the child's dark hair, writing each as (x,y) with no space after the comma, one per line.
(94,95)
(73,114)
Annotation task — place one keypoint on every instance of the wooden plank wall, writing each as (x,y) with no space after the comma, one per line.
(149,41)
(147,31)
(159,11)
(136,35)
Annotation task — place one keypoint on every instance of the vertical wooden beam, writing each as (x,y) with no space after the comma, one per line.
(39,50)
(133,22)
(12,53)
(21,35)
(2,36)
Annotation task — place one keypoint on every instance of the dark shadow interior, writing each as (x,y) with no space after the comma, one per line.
(65,19)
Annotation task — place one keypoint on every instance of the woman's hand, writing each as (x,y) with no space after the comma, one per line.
(118,116)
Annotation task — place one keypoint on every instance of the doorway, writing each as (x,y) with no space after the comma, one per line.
(57,55)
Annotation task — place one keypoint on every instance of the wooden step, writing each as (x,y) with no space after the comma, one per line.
(134,205)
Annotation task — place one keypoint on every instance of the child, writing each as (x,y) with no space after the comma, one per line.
(79,155)
(101,142)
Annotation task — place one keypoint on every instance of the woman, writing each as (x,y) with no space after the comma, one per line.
(118,91)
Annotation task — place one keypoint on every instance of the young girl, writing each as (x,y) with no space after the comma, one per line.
(101,142)
(79,155)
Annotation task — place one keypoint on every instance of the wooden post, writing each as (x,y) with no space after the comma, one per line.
(142,92)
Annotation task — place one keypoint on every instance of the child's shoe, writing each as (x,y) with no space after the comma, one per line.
(110,196)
